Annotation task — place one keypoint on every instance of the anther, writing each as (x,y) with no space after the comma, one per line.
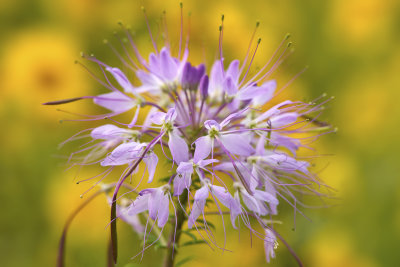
(259,40)
(257,24)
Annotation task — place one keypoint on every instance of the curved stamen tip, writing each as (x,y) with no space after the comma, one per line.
(289,44)
(287,36)
(222,17)
(259,40)
(220,27)
(64,101)
(257,24)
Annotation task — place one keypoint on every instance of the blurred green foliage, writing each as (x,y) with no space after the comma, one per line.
(352,50)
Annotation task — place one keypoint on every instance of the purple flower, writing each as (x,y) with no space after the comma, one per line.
(163,71)
(215,131)
(234,143)
(156,201)
(270,244)
(219,193)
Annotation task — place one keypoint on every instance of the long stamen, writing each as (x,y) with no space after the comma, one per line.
(251,61)
(248,48)
(148,28)
(221,35)
(181,32)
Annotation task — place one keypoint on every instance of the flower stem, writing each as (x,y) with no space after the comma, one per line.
(175,236)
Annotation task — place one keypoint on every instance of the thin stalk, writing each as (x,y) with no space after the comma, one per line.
(176,232)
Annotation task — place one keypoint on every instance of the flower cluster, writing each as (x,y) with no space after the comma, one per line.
(227,145)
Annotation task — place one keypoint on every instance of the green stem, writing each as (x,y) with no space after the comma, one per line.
(181,218)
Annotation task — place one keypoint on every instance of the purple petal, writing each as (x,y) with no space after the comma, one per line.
(163,211)
(135,117)
(185,167)
(122,213)
(233,71)
(201,194)
(236,144)
(202,163)
(150,82)
(108,132)
(250,202)
(155,202)
(209,124)
(171,115)
(151,161)
(228,119)
(236,209)
(265,196)
(121,79)
(178,147)
(269,244)
(123,154)
(284,119)
(157,117)
(258,94)
(216,78)
(182,180)
(154,64)
(197,209)
(203,87)
(167,65)
(229,86)
(139,205)
(198,205)
(203,148)
(272,111)
(115,101)
(222,194)
(228,201)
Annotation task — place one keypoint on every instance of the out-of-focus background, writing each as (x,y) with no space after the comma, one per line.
(351,48)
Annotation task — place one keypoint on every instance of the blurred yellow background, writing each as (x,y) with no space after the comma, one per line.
(351,48)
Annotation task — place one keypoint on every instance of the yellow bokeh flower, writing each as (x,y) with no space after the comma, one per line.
(38,66)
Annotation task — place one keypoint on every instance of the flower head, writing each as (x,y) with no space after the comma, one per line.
(223,150)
